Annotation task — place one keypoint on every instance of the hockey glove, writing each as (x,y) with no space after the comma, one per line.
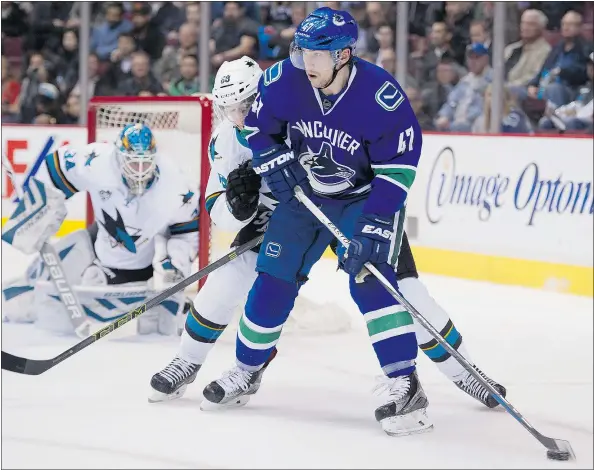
(371,242)
(280,168)
(243,191)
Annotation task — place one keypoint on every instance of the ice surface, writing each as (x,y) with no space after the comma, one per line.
(315,408)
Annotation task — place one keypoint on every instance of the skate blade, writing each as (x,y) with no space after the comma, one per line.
(416,422)
(235,403)
(158,397)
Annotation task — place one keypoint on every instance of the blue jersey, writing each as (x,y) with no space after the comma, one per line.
(364,141)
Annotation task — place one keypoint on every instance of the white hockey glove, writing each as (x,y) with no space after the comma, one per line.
(37,217)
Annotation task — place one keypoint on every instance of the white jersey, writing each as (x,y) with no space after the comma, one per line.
(127,224)
(228,149)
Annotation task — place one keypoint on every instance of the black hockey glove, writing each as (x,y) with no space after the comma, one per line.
(243,191)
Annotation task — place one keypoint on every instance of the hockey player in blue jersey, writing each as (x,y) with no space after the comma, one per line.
(344,131)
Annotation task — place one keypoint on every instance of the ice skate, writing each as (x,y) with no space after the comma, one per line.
(232,390)
(475,389)
(406,409)
(171,382)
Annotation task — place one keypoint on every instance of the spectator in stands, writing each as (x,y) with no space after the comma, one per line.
(10,94)
(71,110)
(576,115)
(414,97)
(458,16)
(14,20)
(480,34)
(283,39)
(104,38)
(167,67)
(66,61)
(120,59)
(524,59)
(465,103)
(35,74)
(358,10)
(47,21)
(193,13)
(169,17)
(514,120)
(376,17)
(47,105)
(146,33)
(235,37)
(97,85)
(436,93)
(389,64)
(385,40)
(142,78)
(440,48)
(188,83)
(564,69)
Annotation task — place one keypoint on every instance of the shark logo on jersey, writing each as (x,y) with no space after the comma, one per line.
(90,158)
(117,230)
(325,174)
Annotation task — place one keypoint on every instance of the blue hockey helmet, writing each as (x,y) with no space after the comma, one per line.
(136,150)
(324,29)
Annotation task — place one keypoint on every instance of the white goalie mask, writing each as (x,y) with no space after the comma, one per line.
(235,89)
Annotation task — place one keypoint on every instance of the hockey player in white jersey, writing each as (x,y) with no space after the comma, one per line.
(239,201)
(144,239)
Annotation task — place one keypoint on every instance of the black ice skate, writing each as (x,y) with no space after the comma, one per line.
(232,390)
(171,382)
(406,409)
(474,388)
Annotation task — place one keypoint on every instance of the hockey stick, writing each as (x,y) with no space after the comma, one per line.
(76,314)
(25,366)
(557,449)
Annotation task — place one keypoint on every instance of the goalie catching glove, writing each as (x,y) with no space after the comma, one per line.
(38,217)
(243,192)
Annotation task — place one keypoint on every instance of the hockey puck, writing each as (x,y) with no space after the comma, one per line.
(557,455)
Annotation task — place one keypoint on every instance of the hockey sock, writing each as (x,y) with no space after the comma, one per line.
(198,337)
(389,325)
(268,305)
(416,293)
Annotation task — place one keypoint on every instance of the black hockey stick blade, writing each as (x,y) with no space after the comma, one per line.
(21,365)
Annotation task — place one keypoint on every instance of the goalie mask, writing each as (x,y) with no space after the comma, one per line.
(235,89)
(136,151)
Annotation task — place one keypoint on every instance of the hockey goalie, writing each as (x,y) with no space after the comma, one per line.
(143,240)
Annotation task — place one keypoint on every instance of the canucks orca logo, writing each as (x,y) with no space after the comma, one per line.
(325,174)
(119,233)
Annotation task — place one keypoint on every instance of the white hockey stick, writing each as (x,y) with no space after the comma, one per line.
(557,449)
(76,314)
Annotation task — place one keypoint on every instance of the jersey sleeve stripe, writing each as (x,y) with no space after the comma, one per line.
(394,181)
(184,227)
(58,177)
(210,200)
(402,176)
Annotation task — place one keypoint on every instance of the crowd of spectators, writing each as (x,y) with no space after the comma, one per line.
(152,49)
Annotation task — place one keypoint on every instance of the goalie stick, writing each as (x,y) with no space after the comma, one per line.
(557,449)
(25,366)
(77,316)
